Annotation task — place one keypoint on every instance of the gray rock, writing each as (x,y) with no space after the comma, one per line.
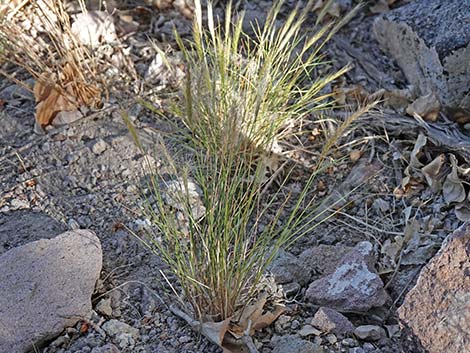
(18,92)
(294,344)
(354,286)
(104,307)
(124,334)
(286,268)
(46,286)
(329,320)
(369,332)
(430,39)
(309,330)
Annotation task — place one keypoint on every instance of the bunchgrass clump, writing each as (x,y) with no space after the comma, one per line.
(241,95)
(243,92)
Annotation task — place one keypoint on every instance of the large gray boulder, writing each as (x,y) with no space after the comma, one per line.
(429,39)
(46,286)
(435,314)
(354,286)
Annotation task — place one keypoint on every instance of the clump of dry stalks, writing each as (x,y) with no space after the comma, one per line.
(37,37)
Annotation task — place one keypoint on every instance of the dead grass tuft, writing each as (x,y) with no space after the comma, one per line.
(37,37)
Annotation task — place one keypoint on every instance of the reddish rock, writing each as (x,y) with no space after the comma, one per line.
(436,312)
(323,259)
(329,320)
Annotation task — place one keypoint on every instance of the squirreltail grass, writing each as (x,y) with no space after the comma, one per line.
(241,94)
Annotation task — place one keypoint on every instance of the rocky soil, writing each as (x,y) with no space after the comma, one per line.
(342,284)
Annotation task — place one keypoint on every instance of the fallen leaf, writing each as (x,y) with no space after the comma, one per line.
(94,28)
(252,317)
(419,256)
(65,93)
(414,157)
(355,155)
(462,211)
(215,331)
(380,7)
(453,189)
(409,182)
(392,249)
(427,107)
(431,172)
(50,102)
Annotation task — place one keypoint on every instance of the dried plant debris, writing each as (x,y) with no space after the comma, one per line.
(94,28)
(381,6)
(427,107)
(65,71)
(185,7)
(442,174)
(453,188)
(233,334)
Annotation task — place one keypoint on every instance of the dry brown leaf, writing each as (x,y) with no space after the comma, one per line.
(427,107)
(252,317)
(409,179)
(355,155)
(50,102)
(414,157)
(64,94)
(453,189)
(431,172)
(215,331)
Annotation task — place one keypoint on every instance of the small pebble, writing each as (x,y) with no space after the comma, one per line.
(295,324)
(99,147)
(104,307)
(184,339)
(349,342)
(331,338)
(369,332)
